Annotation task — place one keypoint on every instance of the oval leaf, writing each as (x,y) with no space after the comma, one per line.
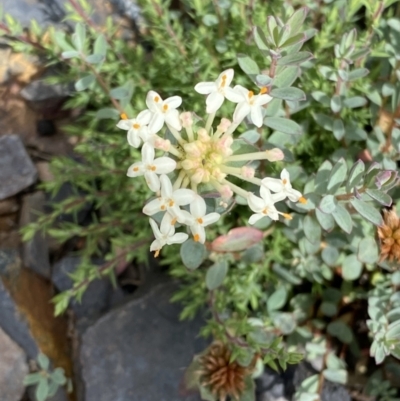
(216,274)
(192,254)
(367,211)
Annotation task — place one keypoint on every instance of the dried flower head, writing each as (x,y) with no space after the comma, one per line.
(219,375)
(389,235)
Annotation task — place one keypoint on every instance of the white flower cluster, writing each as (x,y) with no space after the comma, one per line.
(201,156)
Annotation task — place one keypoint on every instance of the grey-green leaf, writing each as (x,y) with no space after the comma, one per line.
(312,229)
(351,268)
(84,82)
(43,361)
(336,376)
(355,175)
(295,59)
(368,250)
(326,221)
(379,196)
(337,176)
(193,254)
(248,65)
(42,390)
(216,274)
(283,125)
(367,211)
(293,94)
(343,218)
(328,204)
(340,330)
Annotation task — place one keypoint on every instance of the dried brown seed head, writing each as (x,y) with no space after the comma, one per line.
(389,235)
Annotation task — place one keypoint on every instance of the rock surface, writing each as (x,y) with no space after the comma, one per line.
(17,170)
(139,351)
(35,253)
(13,369)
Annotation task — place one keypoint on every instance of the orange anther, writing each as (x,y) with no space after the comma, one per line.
(136,169)
(173,221)
(157,252)
(163,207)
(250,94)
(263,90)
(171,203)
(136,126)
(265,211)
(124,116)
(200,220)
(303,200)
(196,237)
(156,99)
(153,168)
(287,216)
(165,107)
(284,181)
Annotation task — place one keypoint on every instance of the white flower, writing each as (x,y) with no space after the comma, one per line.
(249,103)
(170,200)
(163,111)
(217,91)
(199,219)
(134,126)
(282,187)
(263,206)
(150,167)
(165,235)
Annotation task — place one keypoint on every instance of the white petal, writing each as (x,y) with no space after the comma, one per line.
(293,195)
(210,218)
(241,112)
(186,218)
(125,124)
(232,95)
(256,204)
(229,73)
(256,116)
(156,230)
(166,227)
(198,232)
(152,180)
(166,186)
(135,170)
(153,207)
(198,207)
(274,184)
(164,165)
(133,138)
(242,91)
(206,87)
(254,218)
(172,119)
(184,196)
(153,101)
(279,196)
(273,213)
(262,99)
(214,102)
(285,175)
(144,117)
(147,154)
(157,245)
(173,102)
(265,194)
(156,122)
(177,238)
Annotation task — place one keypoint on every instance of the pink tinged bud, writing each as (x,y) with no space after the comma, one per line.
(207,175)
(226,192)
(274,155)
(237,239)
(203,135)
(218,174)
(226,142)
(163,144)
(186,119)
(192,149)
(198,176)
(247,172)
(224,125)
(189,164)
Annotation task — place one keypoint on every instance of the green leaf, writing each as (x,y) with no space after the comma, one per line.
(336,103)
(42,390)
(324,121)
(43,361)
(351,268)
(343,218)
(283,125)
(321,97)
(249,392)
(326,221)
(368,250)
(251,136)
(340,330)
(367,211)
(94,58)
(277,299)
(338,129)
(379,196)
(193,254)
(100,45)
(293,40)
(59,37)
(58,376)
(355,101)
(328,204)
(295,59)
(69,54)
(216,274)
(328,309)
(335,376)
(297,19)
(355,175)
(286,77)
(337,176)
(312,229)
(107,112)
(84,82)
(119,93)
(291,94)
(330,255)
(393,331)
(79,37)
(261,40)
(210,20)
(358,73)
(32,378)
(248,65)
(285,322)
(286,275)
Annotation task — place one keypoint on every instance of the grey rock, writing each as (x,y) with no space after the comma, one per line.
(96,298)
(9,205)
(35,253)
(17,170)
(270,386)
(41,91)
(139,351)
(13,369)
(60,395)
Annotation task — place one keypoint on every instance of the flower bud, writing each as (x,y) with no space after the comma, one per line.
(274,155)
(186,119)
(247,172)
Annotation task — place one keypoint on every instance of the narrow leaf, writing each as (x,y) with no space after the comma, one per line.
(283,125)
(367,211)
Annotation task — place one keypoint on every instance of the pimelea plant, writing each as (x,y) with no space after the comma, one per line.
(320,282)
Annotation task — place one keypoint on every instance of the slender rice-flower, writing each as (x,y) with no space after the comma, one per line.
(135,127)
(202,158)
